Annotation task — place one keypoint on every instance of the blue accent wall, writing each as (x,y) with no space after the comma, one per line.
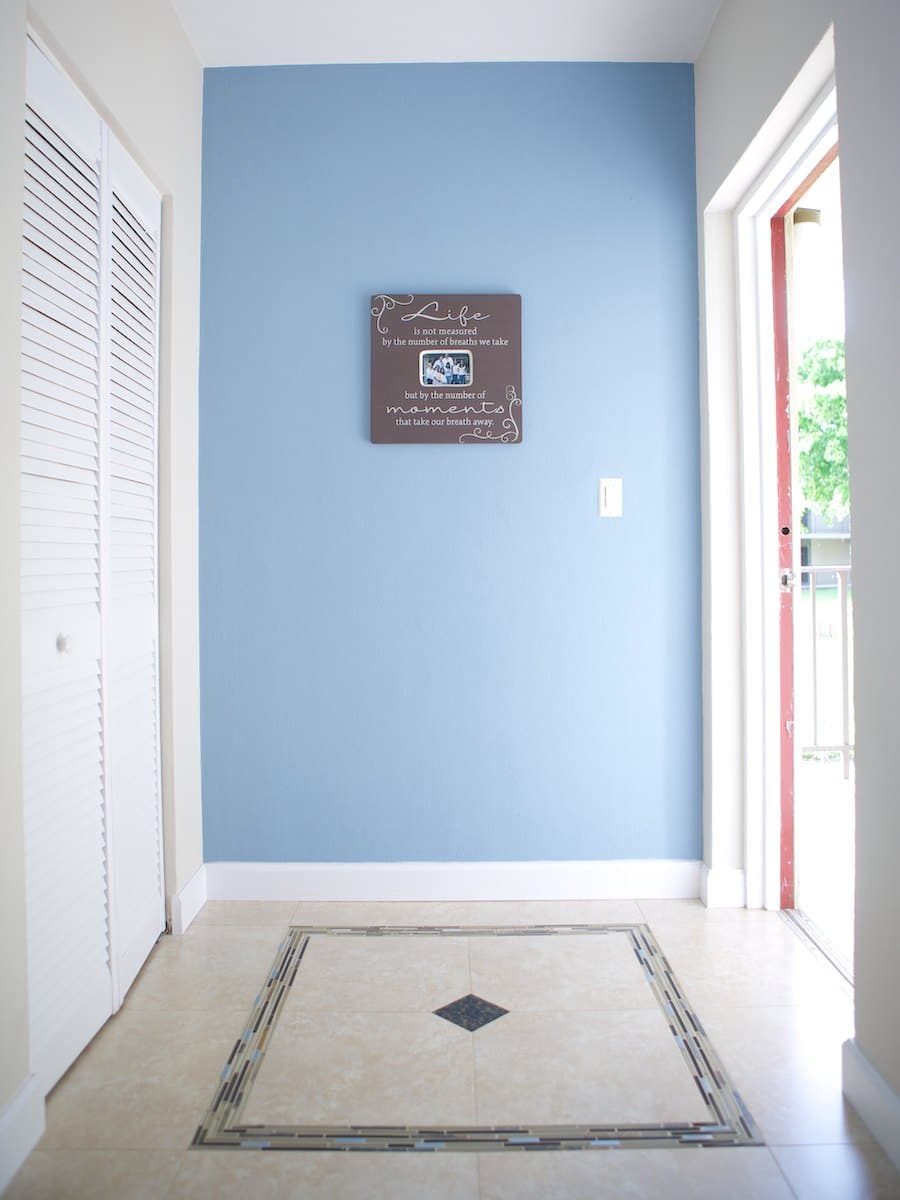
(441,652)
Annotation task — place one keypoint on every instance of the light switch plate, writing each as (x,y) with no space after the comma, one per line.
(610,498)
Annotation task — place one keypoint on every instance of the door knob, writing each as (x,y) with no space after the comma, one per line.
(63,643)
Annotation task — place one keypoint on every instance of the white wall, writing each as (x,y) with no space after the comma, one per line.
(867,44)
(754,51)
(133,61)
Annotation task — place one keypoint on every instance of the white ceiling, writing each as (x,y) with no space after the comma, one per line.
(228,33)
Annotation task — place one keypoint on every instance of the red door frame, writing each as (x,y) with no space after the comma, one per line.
(786,518)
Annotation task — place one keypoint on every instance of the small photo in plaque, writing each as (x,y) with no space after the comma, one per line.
(446,368)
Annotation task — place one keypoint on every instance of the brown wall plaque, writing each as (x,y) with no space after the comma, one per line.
(446,369)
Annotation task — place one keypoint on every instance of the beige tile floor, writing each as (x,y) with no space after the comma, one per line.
(119,1123)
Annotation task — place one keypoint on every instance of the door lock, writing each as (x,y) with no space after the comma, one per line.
(787,581)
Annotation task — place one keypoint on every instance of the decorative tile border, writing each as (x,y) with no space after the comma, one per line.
(729,1123)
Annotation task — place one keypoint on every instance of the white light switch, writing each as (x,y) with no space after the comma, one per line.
(610,497)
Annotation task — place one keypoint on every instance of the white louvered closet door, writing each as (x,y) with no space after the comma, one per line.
(94,879)
(130,612)
(69,979)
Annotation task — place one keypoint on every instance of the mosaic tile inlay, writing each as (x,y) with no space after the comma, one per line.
(471,1012)
(728,1123)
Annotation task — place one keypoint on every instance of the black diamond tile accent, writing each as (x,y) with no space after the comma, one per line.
(471,1012)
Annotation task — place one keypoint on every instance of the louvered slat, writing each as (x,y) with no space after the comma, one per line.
(41,334)
(58,225)
(56,507)
(63,541)
(43,178)
(42,288)
(43,552)
(45,447)
(131,422)
(58,431)
(135,355)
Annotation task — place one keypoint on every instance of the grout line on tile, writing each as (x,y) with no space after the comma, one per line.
(472,1044)
(782,1173)
(866,1140)
(174,1180)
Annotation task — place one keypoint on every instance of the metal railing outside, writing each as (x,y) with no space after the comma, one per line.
(825,669)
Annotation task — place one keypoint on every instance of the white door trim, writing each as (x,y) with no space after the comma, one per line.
(742,816)
(814,135)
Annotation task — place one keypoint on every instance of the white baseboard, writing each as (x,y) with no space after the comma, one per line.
(188,902)
(873,1098)
(652,879)
(21,1128)
(722,887)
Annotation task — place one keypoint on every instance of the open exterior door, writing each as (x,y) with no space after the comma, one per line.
(788,533)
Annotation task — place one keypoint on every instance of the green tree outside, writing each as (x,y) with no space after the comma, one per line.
(822,427)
